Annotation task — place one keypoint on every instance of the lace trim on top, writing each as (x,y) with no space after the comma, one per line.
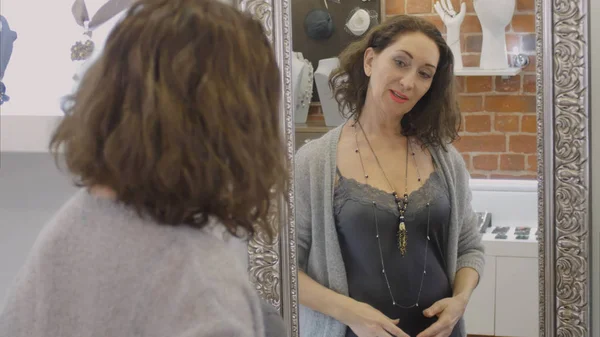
(350,189)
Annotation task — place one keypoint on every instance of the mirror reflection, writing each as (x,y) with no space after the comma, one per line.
(416,191)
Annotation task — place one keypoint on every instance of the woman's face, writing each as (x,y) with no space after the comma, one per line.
(402,73)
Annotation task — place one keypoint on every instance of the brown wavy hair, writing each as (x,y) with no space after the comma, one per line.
(435,119)
(179,116)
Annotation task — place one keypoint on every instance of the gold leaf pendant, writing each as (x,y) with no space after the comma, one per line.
(402,238)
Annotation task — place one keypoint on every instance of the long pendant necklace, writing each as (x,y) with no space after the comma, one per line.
(401,204)
(82,50)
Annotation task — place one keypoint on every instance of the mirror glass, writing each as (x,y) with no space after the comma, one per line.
(494,46)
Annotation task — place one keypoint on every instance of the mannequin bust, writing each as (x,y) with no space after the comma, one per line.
(7,39)
(331,110)
(494,16)
(302,84)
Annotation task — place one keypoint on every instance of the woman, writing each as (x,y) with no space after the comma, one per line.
(387,238)
(173,137)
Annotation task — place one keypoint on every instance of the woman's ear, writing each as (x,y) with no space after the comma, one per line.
(368,61)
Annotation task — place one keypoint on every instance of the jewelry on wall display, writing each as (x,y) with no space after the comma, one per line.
(83,49)
(331,109)
(360,20)
(318,24)
(452,21)
(7,40)
(302,77)
(494,16)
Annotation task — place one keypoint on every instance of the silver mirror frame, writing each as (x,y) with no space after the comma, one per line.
(564,188)
(563,148)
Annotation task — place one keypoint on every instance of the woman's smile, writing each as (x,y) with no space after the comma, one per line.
(398,97)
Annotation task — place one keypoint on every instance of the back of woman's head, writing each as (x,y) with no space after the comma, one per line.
(435,118)
(179,116)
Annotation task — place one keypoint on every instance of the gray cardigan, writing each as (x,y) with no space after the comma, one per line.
(98,269)
(319,253)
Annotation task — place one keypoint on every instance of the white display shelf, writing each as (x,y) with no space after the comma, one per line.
(26,133)
(476,71)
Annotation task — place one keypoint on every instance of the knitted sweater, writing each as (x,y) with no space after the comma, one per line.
(319,253)
(98,269)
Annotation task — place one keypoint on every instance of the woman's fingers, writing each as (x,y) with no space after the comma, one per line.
(390,326)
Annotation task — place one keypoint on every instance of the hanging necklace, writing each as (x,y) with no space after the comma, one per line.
(82,50)
(401,204)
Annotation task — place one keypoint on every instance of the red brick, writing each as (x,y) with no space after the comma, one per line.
(523,23)
(436,20)
(471,24)
(460,84)
(471,60)
(532,64)
(478,123)
(529,84)
(512,162)
(525,5)
(472,43)
(418,6)
(510,103)
(484,143)
(470,103)
(479,176)
(394,7)
(479,84)
(467,159)
(532,162)
(529,124)
(506,123)
(523,144)
(511,84)
(488,162)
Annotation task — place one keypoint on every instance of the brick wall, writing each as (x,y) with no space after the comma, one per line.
(498,133)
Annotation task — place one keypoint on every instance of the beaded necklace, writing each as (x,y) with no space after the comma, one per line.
(402,235)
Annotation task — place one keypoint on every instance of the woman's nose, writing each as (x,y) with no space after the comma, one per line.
(407,82)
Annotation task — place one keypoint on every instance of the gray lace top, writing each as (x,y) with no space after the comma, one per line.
(355,222)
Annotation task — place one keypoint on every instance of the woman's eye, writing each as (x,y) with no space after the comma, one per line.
(400,63)
(425,75)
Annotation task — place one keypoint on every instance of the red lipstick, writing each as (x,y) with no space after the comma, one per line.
(398,97)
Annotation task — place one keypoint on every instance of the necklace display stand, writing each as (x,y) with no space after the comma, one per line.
(302,84)
(331,109)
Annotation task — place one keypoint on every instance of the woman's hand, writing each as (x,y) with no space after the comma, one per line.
(449,311)
(366,321)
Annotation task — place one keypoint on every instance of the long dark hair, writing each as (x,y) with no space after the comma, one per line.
(435,119)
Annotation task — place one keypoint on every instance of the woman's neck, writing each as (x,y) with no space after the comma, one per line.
(378,124)
(102,192)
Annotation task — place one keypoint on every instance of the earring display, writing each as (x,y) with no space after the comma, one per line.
(83,49)
(7,39)
(321,29)
(360,20)
(318,24)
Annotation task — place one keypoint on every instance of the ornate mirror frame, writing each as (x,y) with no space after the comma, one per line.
(563,107)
